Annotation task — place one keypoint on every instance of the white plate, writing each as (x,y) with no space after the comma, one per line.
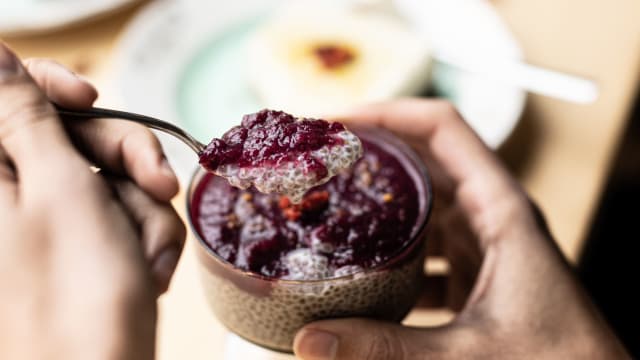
(182,61)
(27,16)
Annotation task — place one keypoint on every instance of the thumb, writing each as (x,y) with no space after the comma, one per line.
(30,131)
(364,339)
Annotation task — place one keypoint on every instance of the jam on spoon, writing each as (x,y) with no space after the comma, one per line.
(278,153)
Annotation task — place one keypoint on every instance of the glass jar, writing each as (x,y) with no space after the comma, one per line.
(269,311)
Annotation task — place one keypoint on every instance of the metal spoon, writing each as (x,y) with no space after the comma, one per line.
(150,122)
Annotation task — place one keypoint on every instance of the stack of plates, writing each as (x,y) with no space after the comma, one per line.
(29,16)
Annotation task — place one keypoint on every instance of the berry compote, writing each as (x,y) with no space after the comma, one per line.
(357,220)
(279,153)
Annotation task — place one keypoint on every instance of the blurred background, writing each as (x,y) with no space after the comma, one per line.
(551,86)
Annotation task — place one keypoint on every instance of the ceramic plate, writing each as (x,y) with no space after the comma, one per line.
(183,61)
(27,16)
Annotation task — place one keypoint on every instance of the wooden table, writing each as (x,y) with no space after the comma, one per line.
(561,152)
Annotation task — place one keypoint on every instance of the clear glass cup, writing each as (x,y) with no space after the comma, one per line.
(269,311)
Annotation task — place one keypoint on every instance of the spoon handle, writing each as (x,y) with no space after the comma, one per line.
(528,77)
(150,122)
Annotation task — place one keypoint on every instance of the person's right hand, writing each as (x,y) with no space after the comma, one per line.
(516,294)
(83,255)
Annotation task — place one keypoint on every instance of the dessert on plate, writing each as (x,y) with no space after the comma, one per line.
(319,57)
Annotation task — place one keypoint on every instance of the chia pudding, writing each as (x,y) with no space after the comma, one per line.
(352,246)
(279,153)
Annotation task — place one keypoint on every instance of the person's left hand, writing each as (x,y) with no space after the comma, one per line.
(83,255)
(513,291)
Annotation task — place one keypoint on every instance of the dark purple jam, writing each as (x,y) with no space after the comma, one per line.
(362,217)
(268,138)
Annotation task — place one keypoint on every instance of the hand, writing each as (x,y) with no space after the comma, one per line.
(127,150)
(83,255)
(515,293)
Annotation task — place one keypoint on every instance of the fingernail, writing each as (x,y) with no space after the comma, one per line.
(313,344)
(166,168)
(8,61)
(164,266)
(81,78)
(66,72)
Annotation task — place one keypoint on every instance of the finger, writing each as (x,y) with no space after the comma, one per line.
(127,149)
(60,85)
(461,262)
(435,239)
(462,252)
(163,233)
(434,292)
(118,147)
(31,133)
(437,124)
(482,185)
(7,180)
(365,339)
